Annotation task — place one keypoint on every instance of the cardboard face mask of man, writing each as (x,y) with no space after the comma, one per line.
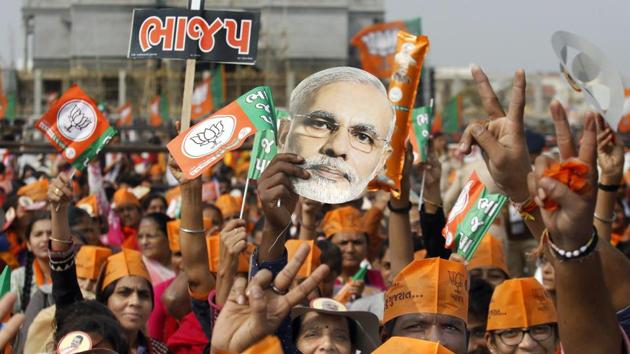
(341,124)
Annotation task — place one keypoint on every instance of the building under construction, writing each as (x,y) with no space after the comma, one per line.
(86,42)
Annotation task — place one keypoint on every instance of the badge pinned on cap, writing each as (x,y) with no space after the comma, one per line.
(74,342)
(588,70)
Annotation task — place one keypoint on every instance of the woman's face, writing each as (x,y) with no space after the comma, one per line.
(153,242)
(131,302)
(38,238)
(321,333)
(156,206)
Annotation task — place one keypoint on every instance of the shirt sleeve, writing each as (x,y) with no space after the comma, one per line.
(432,225)
(66,288)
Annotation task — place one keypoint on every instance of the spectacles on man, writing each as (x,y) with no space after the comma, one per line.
(322,125)
(514,336)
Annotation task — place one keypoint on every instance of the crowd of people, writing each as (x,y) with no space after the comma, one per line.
(129,256)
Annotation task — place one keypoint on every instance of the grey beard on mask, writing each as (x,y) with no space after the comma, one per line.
(327,191)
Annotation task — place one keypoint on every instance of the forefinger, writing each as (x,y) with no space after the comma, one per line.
(563,131)
(588,147)
(488,98)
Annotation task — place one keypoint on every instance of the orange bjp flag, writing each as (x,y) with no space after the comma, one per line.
(202,104)
(155,119)
(75,127)
(125,113)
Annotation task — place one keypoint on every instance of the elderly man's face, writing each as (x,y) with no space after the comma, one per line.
(341,135)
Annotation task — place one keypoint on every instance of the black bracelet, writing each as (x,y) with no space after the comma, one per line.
(404,210)
(583,251)
(609,187)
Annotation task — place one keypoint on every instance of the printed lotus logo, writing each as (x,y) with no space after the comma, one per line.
(209,135)
(76,120)
(461,203)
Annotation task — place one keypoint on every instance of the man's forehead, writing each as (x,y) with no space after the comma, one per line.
(348,236)
(354,103)
(431,317)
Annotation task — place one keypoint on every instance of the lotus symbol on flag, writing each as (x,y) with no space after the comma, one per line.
(77,119)
(209,135)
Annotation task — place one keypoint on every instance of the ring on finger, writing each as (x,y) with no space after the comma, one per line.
(278,291)
(57,190)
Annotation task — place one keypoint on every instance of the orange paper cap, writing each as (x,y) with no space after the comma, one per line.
(489,254)
(172,228)
(37,191)
(420,254)
(124,196)
(89,204)
(432,285)
(344,219)
(268,345)
(89,261)
(312,260)
(520,303)
(213,243)
(397,345)
(228,205)
(124,263)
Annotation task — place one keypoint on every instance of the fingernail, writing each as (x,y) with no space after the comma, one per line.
(541,194)
(257,293)
(546,183)
(477,129)
(462,147)
(240,299)
(538,202)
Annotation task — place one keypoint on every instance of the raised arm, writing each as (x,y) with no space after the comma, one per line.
(399,228)
(233,242)
(66,288)
(192,236)
(308,220)
(581,292)
(432,219)
(610,161)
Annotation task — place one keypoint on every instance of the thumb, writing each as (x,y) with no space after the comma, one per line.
(559,192)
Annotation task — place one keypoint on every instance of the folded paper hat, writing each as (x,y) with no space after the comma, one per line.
(520,303)
(344,219)
(398,345)
(268,345)
(312,260)
(89,261)
(124,263)
(172,228)
(432,285)
(228,204)
(89,204)
(37,191)
(124,196)
(489,254)
(213,244)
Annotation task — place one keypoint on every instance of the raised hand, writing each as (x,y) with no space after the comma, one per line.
(432,169)
(503,138)
(570,225)
(233,239)
(60,192)
(609,153)
(256,310)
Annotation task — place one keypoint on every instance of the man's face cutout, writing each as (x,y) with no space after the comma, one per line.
(587,70)
(341,134)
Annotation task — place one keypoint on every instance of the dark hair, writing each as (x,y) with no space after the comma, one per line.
(146,201)
(160,219)
(30,258)
(479,297)
(331,255)
(91,317)
(75,215)
(102,295)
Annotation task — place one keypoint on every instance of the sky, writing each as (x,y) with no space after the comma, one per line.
(499,35)
(504,35)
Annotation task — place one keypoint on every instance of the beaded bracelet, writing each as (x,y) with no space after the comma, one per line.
(581,252)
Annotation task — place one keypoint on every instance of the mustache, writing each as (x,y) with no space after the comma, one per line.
(323,162)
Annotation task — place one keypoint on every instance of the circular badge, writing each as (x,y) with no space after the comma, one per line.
(395,94)
(74,342)
(328,304)
(76,120)
(70,153)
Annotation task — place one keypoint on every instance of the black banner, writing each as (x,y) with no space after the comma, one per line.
(218,36)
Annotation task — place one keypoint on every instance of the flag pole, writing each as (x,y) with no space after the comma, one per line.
(244,198)
(189,80)
(421,198)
